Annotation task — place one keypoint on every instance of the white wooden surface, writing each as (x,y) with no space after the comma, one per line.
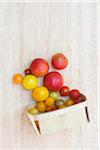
(29,30)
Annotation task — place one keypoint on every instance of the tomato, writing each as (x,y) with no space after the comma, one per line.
(30,82)
(69,102)
(54,95)
(74,94)
(49,101)
(81,98)
(64,91)
(17,78)
(40,93)
(59,102)
(51,108)
(59,61)
(33,111)
(62,106)
(41,107)
(27,71)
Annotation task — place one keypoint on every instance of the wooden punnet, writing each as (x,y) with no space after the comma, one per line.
(69,117)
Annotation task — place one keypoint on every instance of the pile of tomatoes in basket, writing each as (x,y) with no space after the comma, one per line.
(52,94)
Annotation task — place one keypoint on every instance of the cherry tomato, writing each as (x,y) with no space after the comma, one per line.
(51,108)
(27,72)
(41,107)
(81,98)
(74,94)
(17,78)
(59,102)
(30,82)
(33,111)
(54,95)
(64,91)
(49,101)
(69,102)
(40,93)
(62,106)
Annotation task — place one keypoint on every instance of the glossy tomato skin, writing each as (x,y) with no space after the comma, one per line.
(53,81)
(51,108)
(59,61)
(59,102)
(41,107)
(74,94)
(54,95)
(30,82)
(17,78)
(49,101)
(69,102)
(40,93)
(81,98)
(39,67)
(64,91)
(27,71)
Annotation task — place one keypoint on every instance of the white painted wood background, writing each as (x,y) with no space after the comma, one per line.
(29,30)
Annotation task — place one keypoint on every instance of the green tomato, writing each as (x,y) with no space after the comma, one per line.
(54,95)
(33,111)
(59,102)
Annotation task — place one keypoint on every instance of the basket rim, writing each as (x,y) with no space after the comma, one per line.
(55,113)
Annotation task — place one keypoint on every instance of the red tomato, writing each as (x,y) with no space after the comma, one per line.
(81,98)
(59,61)
(27,71)
(64,91)
(74,94)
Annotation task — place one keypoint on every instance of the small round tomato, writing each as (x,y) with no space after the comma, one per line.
(41,107)
(62,106)
(69,102)
(51,108)
(54,95)
(49,101)
(59,102)
(81,98)
(17,78)
(64,91)
(74,94)
(27,71)
(40,93)
(33,111)
(30,82)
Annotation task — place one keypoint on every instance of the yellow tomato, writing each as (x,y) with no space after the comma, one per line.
(30,82)
(69,102)
(41,107)
(17,78)
(62,106)
(40,93)
(33,111)
(49,101)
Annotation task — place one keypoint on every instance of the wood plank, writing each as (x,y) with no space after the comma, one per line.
(28,30)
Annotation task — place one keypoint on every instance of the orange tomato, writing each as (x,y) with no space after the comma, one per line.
(51,108)
(49,101)
(40,93)
(17,78)
(62,106)
(41,107)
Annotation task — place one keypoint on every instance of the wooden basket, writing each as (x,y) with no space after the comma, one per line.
(69,117)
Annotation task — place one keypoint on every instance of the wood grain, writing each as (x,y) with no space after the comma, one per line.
(29,30)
